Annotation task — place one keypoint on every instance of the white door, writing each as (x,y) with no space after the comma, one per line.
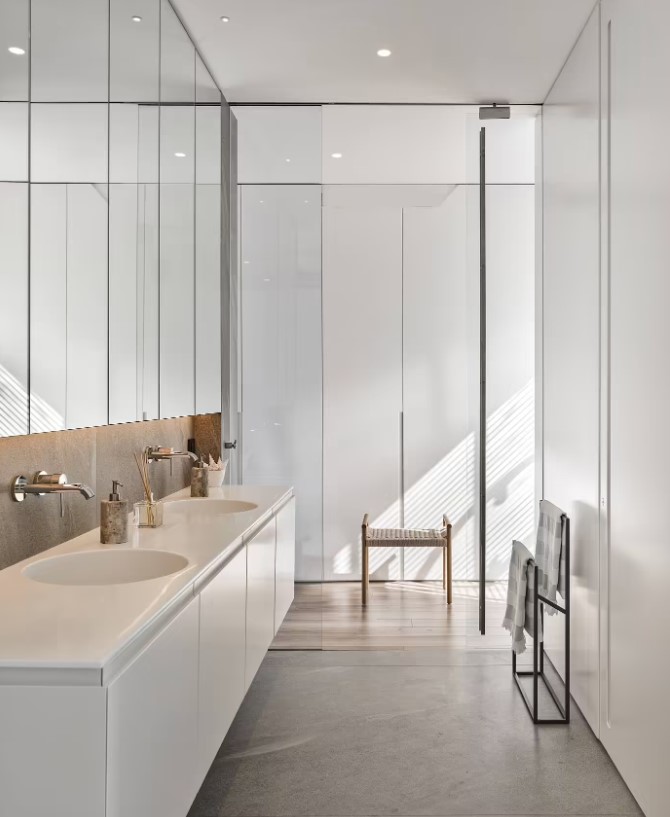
(439,443)
(280,268)
(362,384)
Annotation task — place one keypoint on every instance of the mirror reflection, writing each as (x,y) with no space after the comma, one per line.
(110,216)
(177,217)
(14,50)
(133,210)
(69,50)
(13,309)
(207,242)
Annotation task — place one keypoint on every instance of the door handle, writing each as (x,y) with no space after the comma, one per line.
(228,445)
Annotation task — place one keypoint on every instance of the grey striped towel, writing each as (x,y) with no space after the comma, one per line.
(549,553)
(520,613)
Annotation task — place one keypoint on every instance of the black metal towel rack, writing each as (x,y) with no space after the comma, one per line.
(539,655)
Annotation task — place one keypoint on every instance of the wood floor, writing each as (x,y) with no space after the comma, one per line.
(399,616)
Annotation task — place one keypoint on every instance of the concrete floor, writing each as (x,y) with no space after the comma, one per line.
(421,733)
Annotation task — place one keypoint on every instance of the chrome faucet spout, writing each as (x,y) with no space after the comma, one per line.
(44,483)
(157,452)
(78,487)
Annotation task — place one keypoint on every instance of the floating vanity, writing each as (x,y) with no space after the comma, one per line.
(123,666)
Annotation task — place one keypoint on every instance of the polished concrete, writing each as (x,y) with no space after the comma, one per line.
(430,732)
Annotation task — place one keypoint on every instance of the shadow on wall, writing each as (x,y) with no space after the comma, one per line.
(450,486)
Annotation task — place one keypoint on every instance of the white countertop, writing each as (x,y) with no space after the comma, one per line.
(83,634)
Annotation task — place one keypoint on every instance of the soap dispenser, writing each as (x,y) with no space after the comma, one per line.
(114,518)
(200,478)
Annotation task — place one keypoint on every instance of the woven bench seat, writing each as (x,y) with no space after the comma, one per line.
(407,538)
(404,537)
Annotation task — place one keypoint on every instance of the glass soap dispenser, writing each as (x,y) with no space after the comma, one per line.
(114,518)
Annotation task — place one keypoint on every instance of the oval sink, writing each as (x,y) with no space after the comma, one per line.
(98,567)
(214,506)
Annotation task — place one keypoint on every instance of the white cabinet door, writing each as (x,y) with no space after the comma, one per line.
(635,728)
(260,597)
(222,635)
(439,450)
(279,144)
(285,573)
(571,349)
(52,752)
(362,384)
(152,726)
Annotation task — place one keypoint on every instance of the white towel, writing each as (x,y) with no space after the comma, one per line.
(549,553)
(520,613)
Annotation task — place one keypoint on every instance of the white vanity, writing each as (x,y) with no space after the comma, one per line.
(114,698)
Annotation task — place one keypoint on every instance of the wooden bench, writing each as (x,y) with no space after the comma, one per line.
(402,538)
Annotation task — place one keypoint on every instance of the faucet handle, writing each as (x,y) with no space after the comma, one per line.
(42,478)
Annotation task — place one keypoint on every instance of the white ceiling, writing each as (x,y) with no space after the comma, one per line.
(443,50)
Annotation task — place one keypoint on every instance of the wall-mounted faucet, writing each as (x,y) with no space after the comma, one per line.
(157,452)
(44,483)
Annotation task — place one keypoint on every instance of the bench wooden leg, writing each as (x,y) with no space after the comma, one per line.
(448,564)
(444,568)
(365,579)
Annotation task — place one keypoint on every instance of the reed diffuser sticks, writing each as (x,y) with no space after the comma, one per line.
(142,461)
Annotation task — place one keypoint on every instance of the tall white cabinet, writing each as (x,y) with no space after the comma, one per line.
(571,331)
(636,206)
(362,391)
(439,443)
(360,336)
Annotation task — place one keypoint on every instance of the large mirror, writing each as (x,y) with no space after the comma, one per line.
(14,285)
(110,216)
(68,252)
(69,50)
(208,225)
(133,210)
(177,218)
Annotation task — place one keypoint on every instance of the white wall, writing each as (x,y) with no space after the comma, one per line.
(636,712)
(606,332)
(417,144)
(571,346)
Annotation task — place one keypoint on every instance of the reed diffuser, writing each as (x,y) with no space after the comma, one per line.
(148,512)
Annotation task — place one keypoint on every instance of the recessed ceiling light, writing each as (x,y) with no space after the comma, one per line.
(267,280)
(180,155)
(261,201)
(225,19)
(336,155)
(384,52)
(287,160)
(136,19)
(245,262)
(14,49)
(306,201)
